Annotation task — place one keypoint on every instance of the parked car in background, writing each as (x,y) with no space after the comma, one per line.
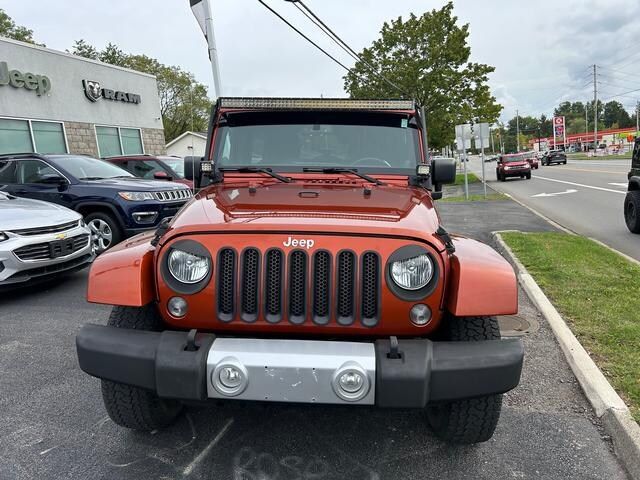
(632,200)
(153,167)
(513,165)
(39,240)
(113,202)
(554,156)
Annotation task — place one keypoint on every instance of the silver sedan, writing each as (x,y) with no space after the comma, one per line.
(39,239)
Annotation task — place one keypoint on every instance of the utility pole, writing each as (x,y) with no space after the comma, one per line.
(595,109)
(586,122)
(637,117)
(518,130)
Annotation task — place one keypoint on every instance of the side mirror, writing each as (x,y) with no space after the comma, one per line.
(53,179)
(192,168)
(162,176)
(443,170)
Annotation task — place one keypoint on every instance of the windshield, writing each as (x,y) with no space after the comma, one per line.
(296,140)
(515,158)
(90,168)
(175,164)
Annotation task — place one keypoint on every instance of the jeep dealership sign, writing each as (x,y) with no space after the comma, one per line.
(31,81)
(94,92)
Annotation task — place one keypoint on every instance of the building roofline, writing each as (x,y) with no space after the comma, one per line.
(74,57)
(181,136)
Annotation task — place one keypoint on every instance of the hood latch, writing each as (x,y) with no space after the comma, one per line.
(446,238)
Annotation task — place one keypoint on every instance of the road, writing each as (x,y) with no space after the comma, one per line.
(585,196)
(53,424)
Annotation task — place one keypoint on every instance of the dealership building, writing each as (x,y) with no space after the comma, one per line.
(55,102)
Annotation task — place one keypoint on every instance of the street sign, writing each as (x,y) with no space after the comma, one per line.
(463,137)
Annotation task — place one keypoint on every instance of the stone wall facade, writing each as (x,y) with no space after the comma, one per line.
(81,139)
(153,141)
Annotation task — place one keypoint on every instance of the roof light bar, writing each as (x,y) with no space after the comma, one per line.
(315,104)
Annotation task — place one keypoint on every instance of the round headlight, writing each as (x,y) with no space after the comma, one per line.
(412,273)
(187,267)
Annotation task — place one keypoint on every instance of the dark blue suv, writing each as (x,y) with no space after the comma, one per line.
(114,203)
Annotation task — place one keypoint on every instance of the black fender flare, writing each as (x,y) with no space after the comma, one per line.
(634,183)
(92,203)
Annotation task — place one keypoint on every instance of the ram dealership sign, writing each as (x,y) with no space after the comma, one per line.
(31,81)
(94,92)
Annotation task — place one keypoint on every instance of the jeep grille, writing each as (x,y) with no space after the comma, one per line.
(173,195)
(298,286)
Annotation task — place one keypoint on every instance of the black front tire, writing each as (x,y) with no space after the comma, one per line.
(529,176)
(106,231)
(474,420)
(134,407)
(632,211)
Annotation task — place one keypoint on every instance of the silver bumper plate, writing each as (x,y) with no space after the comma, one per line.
(304,371)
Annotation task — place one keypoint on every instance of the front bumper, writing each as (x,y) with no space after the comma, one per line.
(516,173)
(300,370)
(16,269)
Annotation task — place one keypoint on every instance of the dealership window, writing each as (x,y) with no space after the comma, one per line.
(23,136)
(113,141)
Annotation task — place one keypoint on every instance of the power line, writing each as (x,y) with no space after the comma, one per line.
(304,36)
(299,4)
(621,94)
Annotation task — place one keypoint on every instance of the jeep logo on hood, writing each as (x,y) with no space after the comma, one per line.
(302,242)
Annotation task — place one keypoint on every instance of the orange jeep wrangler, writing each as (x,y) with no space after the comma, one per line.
(311,267)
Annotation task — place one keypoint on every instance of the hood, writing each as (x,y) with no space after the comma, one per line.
(19,213)
(312,207)
(135,184)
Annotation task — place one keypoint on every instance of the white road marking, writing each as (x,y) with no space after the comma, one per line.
(619,184)
(194,463)
(580,185)
(554,194)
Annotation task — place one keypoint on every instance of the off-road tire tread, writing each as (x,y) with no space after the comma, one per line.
(472,420)
(134,407)
(633,196)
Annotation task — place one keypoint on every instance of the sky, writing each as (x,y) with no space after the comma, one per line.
(543,51)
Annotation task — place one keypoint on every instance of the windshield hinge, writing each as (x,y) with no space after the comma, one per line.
(446,238)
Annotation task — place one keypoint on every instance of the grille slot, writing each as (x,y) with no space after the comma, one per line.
(370,288)
(346,288)
(273,285)
(250,282)
(226,284)
(42,251)
(297,286)
(321,287)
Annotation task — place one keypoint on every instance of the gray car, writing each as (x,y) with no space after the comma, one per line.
(39,239)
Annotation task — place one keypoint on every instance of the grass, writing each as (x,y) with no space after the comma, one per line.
(471,178)
(476,198)
(583,156)
(598,294)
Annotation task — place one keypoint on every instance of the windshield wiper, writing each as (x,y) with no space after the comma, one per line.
(344,170)
(91,178)
(256,170)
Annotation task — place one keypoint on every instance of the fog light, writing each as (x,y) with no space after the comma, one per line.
(177,306)
(420,315)
(230,377)
(144,217)
(350,382)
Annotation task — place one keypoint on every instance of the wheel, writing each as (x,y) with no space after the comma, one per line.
(473,420)
(529,176)
(134,407)
(564,163)
(104,229)
(632,211)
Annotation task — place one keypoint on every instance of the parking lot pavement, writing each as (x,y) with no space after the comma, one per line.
(53,425)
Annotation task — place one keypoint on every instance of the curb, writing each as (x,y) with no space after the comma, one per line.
(609,407)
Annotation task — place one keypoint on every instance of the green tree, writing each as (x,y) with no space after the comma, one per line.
(427,57)
(184,103)
(614,113)
(9,29)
